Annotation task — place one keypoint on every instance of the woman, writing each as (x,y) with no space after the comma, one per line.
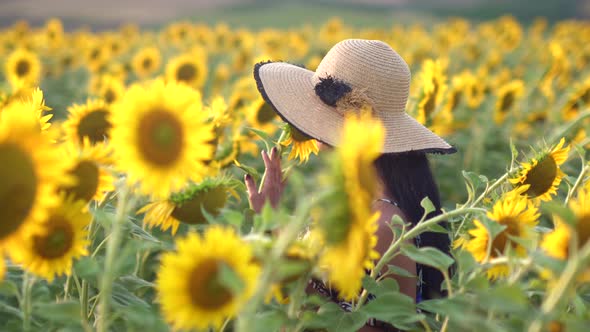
(355,74)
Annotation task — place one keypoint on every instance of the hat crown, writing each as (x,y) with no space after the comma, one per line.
(370,65)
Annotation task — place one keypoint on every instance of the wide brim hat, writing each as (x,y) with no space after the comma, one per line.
(309,101)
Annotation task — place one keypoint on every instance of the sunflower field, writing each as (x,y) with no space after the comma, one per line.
(123,206)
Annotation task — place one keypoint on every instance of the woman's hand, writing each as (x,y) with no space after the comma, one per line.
(272,186)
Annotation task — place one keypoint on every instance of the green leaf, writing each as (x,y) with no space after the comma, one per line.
(248,223)
(8,288)
(560,210)
(134,283)
(493,227)
(504,298)
(68,311)
(427,205)
(87,268)
(436,228)
(264,136)
(333,318)
(394,308)
(429,256)
(250,170)
(394,269)
(270,321)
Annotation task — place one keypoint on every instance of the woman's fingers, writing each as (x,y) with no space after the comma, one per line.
(250,185)
(266,159)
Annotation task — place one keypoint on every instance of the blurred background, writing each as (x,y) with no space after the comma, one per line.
(284,13)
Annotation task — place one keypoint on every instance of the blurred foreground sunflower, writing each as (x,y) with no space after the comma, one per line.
(30,168)
(187,206)
(346,226)
(92,181)
(49,251)
(542,174)
(191,287)
(32,99)
(160,137)
(558,243)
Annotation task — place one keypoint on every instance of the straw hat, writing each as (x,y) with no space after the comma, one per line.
(353,73)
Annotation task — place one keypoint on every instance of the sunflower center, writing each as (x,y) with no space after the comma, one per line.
(541,177)
(146,63)
(502,239)
(583,229)
(189,210)
(265,114)
(95,126)
(186,72)
(298,136)
(507,102)
(57,241)
(87,175)
(585,96)
(206,290)
(456,99)
(18,190)
(161,137)
(22,68)
(110,96)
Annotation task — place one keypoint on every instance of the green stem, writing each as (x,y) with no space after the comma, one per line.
(27,305)
(67,287)
(111,252)
(578,182)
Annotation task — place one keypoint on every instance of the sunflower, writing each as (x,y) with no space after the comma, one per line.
(188,205)
(519,217)
(88,121)
(579,98)
(434,86)
(189,68)
(346,227)
(108,88)
(30,167)
(261,116)
(146,61)
(301,145)
(474,90)
(54,33)
(63,237)
(557,243)
(507,96)
(190,288)
(92,181)
(97,55)
(22,68)
(160,137)
(543,174)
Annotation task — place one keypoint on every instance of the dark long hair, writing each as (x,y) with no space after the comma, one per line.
(408,179)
